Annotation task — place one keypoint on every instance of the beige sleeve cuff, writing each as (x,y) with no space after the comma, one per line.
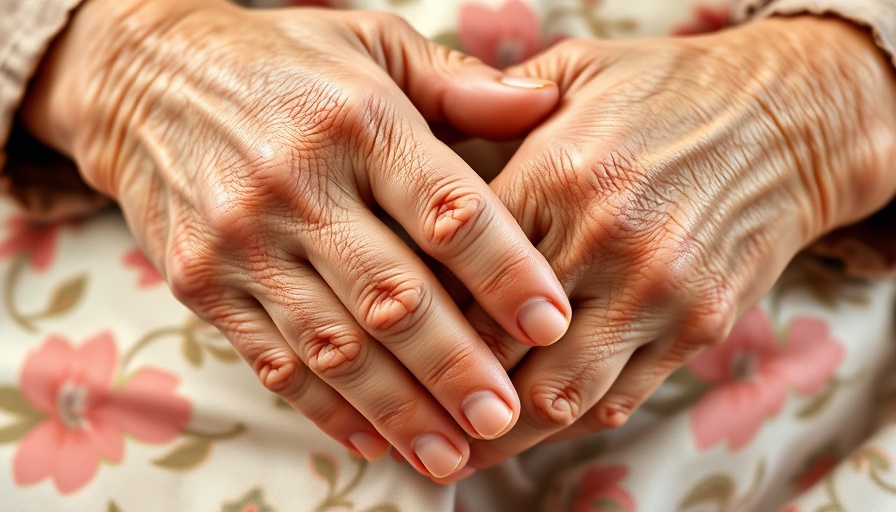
(47,185)
(878,15)
(26,29)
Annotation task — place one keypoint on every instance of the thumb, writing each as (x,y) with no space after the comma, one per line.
(448,86)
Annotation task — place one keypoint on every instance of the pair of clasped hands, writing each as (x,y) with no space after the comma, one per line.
(660,188)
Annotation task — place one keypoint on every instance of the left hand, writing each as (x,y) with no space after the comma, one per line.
(669,191)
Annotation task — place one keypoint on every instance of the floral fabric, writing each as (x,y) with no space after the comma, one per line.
(114,397)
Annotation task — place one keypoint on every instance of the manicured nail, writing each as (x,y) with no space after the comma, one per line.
(488,414)
(524,82)
(542,322)
(439,456)
(370,446)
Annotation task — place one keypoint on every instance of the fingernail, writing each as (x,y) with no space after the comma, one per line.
(542,322)
(439,456)
(370,446)
(488,414)
(524,82)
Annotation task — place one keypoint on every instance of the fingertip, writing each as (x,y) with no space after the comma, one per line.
(438,455)
(489,414)
(368,445)
(611,417)
(498,106)
(542,321)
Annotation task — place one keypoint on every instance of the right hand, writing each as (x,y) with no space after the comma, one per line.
(248,149)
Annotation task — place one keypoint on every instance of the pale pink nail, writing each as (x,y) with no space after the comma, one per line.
(439,456)
(524,82)
(542,322)
(488,414)
(370,446)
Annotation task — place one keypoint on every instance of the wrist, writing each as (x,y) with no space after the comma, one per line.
(834,106)
(82,87)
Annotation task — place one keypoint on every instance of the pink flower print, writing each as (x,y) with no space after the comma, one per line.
(706,19)
(149,276)
(38,241)
(599,489)
(502,37)
(752,374)
(86,419)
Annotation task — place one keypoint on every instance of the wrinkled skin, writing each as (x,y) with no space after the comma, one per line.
(669,191)
(250,152)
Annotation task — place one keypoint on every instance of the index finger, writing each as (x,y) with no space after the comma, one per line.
(557,385)
(453,216)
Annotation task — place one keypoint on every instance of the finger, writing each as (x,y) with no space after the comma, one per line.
(508,351)
(249,328)
(453,216)
(446,85)
(557,384)
(648,368)
(331,343)
(448,210)
(395,298)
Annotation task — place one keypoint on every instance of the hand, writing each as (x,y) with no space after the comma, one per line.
(248,150)
(670,190)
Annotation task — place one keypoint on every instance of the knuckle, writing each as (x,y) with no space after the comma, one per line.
(393,306)
(289,179)
(279,371)
(556,406)
(453,217)
(706,324)
(230,217)
(559,169)
(317,114)
(191,270)
(714,314)
(334,352)
(635,220)
(266,173)
(612,413)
